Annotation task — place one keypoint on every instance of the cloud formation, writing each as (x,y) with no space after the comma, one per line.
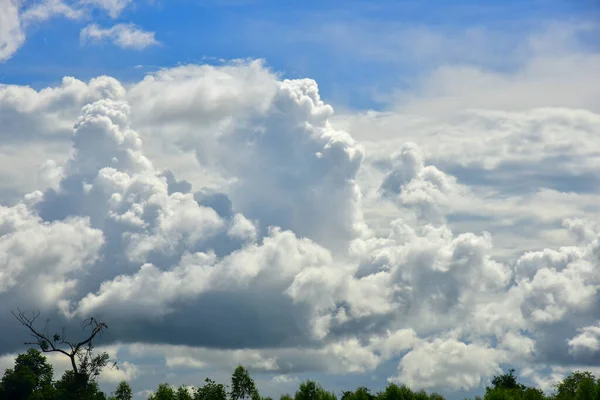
(127,36)
(16,17)
(11,33)
(216,215)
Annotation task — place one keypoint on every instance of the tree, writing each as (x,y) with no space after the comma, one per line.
(533,394)
(436,396)
(307,391)
(183,393)
(361,393)
(79,353)
(164,392)
(123,392)
(310,390)
(78,386)
(211,391)
(567,388)
(30,378)
(242,385)
(507,381)
(498,393)
(420,395)
(586,390)
(395,392)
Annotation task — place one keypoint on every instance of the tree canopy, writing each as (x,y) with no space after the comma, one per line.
(31,378)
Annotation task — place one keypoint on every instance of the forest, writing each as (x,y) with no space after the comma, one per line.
(32,378)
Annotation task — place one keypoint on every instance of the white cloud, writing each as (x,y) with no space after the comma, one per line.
(47,9)
(16,16)
(127,36)
(37,126)
(113,7)
(448,363)
(302,242)
(11,33)
(43,255)
(588,340)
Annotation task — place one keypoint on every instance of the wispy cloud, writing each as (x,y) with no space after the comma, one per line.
(113,7)
(127,36)
(50,8)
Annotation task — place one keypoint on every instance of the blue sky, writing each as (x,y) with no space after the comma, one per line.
(439,226)
(314,39)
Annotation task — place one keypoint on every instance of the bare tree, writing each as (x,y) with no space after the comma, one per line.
(81,352)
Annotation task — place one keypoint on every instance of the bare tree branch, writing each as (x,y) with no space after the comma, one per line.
(75,352)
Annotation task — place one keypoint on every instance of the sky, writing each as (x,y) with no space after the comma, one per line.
(352,192)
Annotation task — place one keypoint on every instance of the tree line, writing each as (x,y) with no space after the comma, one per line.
(32,378)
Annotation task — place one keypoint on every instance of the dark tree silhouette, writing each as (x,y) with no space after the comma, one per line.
(81,351)
(507,381)
(242,385)
(310,390)
(211,391)
(31,378)
(123,392)
(164,392)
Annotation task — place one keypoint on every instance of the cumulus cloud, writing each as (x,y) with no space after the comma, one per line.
(448,363)
(221,215)
(587,340)
(43,256)
(127,36)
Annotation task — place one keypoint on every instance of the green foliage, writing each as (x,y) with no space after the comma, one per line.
(242,385)
(164,392)
(533,394)
(586,390)
(420,395)
(310,390)
(437,396)
(395,392)
(361,393)
(507,381)
(183,393)
(92,364)
(78,386)
(567,388)
(29,379)
(500,394)
(123,392)
(506,387)
(211,391)
(307,391)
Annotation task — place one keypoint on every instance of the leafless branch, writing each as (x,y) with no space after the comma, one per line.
(48,344)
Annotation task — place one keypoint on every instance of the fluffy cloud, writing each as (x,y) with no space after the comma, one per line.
(219,215)
(11,34)
(127,36)
(43,256)
(16,16)
(448,363)
(587,340)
